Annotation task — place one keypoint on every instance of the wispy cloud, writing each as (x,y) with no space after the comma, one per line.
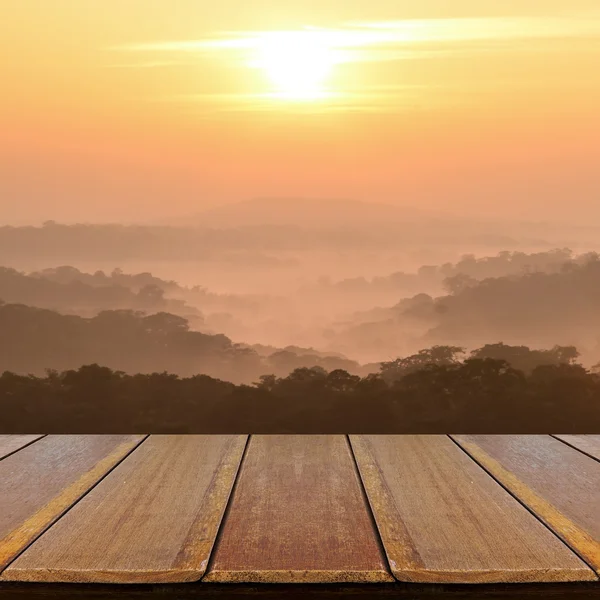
(481,29)
(153,64)
(405,34)
(359,42)
(371,101)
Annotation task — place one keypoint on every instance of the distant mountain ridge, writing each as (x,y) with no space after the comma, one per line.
(305,212)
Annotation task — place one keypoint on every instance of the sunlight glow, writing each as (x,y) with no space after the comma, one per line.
(297,63)
(298,66)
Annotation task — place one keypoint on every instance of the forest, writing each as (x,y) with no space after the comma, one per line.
(538,300)
(502,342)
(412,395)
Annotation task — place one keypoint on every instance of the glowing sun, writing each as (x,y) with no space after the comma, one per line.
(297,63)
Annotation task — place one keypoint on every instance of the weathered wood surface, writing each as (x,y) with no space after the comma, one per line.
(11,443)
(558,483)
(588,444)
(40,482)
(298,514)
(442,518)
(106,509)
(153,519)
(298,591)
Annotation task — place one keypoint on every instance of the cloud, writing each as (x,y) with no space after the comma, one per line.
(405,37)
(362,42)
(482,29)
(154,64)
(371,99)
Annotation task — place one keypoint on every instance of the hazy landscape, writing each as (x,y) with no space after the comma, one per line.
(263,195)
(348,294)
(303,320)
(299,299)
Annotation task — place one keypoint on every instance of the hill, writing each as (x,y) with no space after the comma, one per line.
(323,213)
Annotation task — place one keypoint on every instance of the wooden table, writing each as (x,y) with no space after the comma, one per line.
(333,516)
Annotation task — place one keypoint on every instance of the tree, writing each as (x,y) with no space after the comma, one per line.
(458,283)
(151,297)
(436,355)
(266,382)
(341,381)
(525,359)
(163,323)
(305,374)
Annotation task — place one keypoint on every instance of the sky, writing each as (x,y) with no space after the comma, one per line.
(139,110)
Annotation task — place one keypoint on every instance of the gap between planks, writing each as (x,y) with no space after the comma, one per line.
(20,535)
(443,519)
(582,444)
(9,447)
(153,519)
(512,461)
(309,520)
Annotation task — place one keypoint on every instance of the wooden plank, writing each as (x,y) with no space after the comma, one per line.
(154,519)
(298,515)
(558,483)
(41,482)
(588,444)
(582,590)
(9,444)
(443,519)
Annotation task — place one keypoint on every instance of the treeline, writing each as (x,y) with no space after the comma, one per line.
(59,242)
(546,307)
(541,308)
(477,395)
(503,264)
(507,263)
(67,289)
(134,281)
(259,245)
(252,244)
(35,339)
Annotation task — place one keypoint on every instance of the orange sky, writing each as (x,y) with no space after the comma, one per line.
(141,109)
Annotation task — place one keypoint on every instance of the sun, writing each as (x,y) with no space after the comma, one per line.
(298,63)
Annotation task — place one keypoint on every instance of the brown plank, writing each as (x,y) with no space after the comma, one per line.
(588,444)
(580,590)
(298,514)
(559,484)
(443,519)
(11,443)
(153,519)
(40,482)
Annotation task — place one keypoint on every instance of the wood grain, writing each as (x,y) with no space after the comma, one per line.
(588,444)
(298,514)
(443,519)
(154,519)
(11,443)
(559,484)
(40,482)
(582,590)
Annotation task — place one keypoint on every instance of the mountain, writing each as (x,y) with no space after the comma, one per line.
(416,224)
(323,213)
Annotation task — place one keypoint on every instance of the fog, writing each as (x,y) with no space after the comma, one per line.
(335,280)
